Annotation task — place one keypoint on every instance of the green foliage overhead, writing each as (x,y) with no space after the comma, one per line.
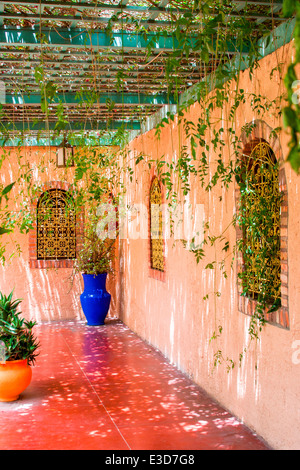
(291,112)
(207,39)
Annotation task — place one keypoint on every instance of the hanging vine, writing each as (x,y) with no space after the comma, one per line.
(221,44)
(291,112)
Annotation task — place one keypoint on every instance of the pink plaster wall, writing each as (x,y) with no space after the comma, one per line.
(170,312)
(48,294)
(172,315)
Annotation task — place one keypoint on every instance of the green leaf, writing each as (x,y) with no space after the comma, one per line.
(7,189)
(294,158)
(39,75)
(289,117)
(289,7)
(209,266)
(4,230)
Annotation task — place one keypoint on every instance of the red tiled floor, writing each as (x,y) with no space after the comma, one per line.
(104,388)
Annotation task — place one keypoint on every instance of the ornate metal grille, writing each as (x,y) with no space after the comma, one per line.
(261,202)
(56,226)
(156,227)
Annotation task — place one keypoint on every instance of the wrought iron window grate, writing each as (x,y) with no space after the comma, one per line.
(261,203)
(56,226)
(156,227)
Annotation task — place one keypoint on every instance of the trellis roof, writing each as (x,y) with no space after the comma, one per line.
(107,60)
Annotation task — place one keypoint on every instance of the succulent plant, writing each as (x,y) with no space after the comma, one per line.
(16,332)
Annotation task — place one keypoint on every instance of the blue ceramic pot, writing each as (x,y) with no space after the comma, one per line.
(95,299)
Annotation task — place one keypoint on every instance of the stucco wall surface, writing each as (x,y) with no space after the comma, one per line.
(171,314)
(47,293)
(170,311)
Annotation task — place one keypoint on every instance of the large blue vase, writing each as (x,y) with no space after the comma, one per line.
(95,299)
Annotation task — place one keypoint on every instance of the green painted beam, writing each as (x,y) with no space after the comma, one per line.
(33,134)
(35,141)
(96,41)
(72,98)
(82,39)
(42,126)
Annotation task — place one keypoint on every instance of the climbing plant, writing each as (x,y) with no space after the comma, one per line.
(222,45)
(219,89)
(291,112)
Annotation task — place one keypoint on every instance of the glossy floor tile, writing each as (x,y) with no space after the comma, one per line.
(103,388)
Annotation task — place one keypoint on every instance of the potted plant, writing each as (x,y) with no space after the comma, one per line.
(18,349)
(95,261)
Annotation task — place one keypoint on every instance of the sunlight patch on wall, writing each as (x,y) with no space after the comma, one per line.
(171,336)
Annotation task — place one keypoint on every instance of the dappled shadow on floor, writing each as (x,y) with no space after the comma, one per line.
(104,388)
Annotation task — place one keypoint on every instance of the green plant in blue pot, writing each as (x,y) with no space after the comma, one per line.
(95,262)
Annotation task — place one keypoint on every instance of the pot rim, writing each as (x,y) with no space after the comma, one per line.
(94,275)
(14,361)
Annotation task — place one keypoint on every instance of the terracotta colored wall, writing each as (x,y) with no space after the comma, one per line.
(47,292)
(169,311)
(172,315)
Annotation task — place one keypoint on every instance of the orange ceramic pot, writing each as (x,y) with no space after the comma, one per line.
(15,376)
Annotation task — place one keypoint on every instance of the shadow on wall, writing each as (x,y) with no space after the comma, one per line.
(47,294)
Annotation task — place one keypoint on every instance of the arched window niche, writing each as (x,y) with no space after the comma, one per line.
(56,225)
(157,261)
(57,232)
(262,225)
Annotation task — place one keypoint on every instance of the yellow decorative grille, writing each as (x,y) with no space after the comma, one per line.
(156,227)
(56,226)
(261,201)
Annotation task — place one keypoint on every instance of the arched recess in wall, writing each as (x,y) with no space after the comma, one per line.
(57,232)
(157,258)
(263,144)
